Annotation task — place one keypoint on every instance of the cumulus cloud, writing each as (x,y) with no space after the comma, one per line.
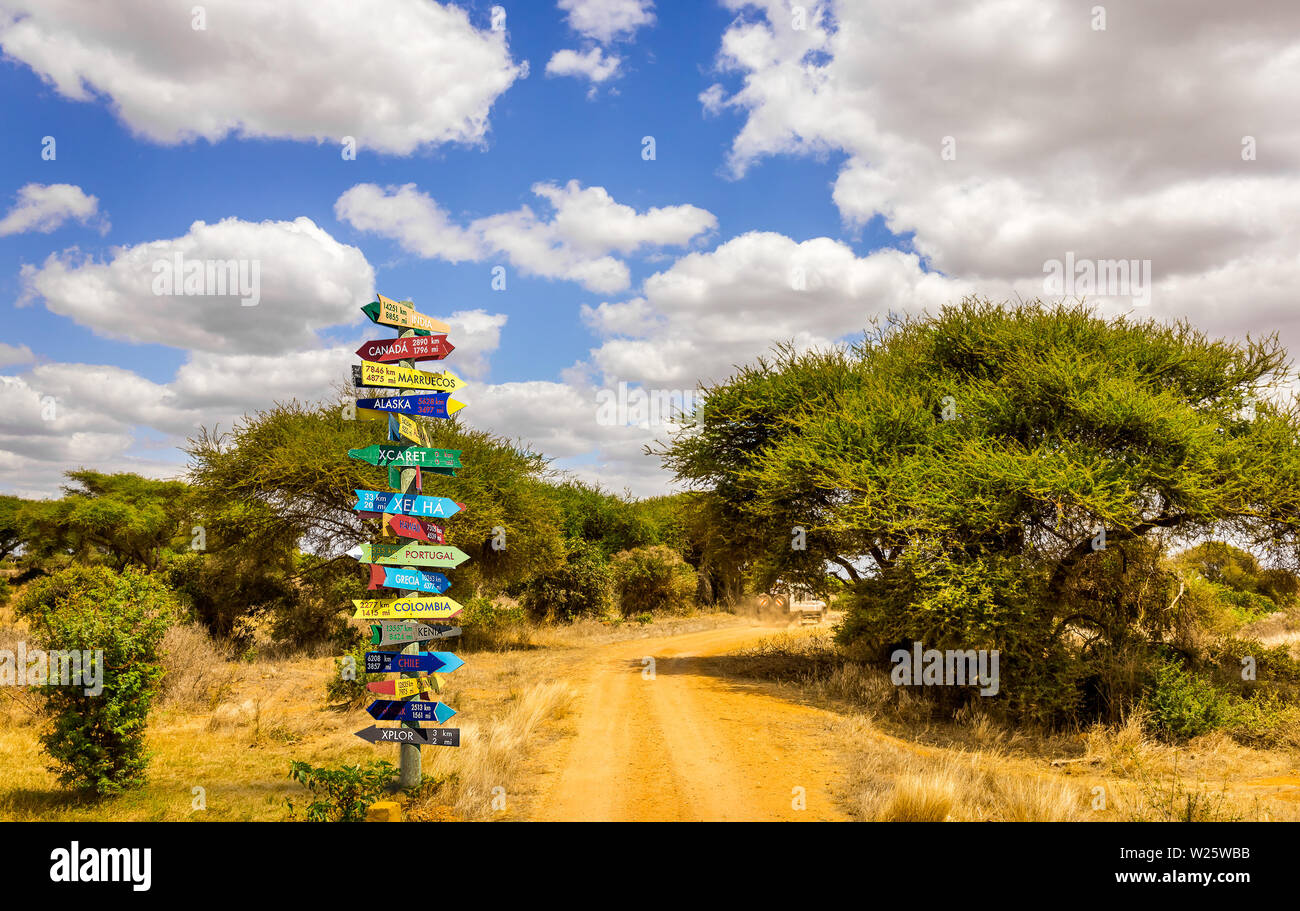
(601,22)
(419,74)
(1034,134)
(575,244)
(594,65)
(305,280)
(607,20)
(713,310)
(44,207)
(15,354)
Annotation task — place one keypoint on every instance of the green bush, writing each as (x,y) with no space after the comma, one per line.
(97,741)
(343,794)
(1183,705)
(582,586)
(6,592)
(492,625)
(649,579)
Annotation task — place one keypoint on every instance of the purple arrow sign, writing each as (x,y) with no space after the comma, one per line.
(394,710)
(429,404)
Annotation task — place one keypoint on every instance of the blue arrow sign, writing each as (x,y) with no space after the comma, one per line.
(415,710)
(426,404)
(406,504)
(420,662)
(416,580)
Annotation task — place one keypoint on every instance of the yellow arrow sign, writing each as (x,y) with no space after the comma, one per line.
(403,315)
(396,608)
(398,377)
(406,426)
(407,687)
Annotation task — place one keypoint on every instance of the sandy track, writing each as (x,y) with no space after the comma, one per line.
(686,745)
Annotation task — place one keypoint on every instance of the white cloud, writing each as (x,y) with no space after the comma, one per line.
(575,244)
(607,20)
(44,207)
(711,311)
(594,65)
(1123,143)
(419,74)
(307,280)
(15,354)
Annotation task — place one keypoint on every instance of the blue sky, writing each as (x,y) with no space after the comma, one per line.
(783,145)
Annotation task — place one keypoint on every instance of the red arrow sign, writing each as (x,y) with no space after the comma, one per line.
(419,529)
(411,348)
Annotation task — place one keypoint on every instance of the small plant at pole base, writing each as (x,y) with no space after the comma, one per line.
(343,794)
(95,730)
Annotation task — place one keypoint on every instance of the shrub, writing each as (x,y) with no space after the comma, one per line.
(493,625)
(97,741)
(649,579)
(343,794)
(1183,705)
(582,586)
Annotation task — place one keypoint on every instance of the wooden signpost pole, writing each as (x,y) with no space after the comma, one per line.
(410,772)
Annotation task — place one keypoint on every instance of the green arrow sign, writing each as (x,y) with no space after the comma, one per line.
(382,454)
(410,553)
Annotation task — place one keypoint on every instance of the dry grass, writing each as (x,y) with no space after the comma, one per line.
(905,763)
(197,671)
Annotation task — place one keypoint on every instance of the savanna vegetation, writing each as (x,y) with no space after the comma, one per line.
(1110,504)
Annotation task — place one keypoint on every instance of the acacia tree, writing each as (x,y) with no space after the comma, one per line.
(1001,443)
(125,519)
(284,475)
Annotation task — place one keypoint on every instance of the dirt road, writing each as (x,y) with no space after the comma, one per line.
(682,744)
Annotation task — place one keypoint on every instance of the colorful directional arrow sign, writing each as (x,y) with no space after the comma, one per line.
(412,663)
(392,710)
(382,454)
(401,633)
(406,504)
(419,529)
(406,687)
(428,404)
(403,315)
(416,580)
(421,737)
(404,608)
(411,348)
(393,376)
(412,553)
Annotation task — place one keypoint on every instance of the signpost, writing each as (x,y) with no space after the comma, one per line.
(412,348)
(406,609)
(406,504)
(400,633)
(428,405)
(443,737)
(420,662)
(413,553)
(406,687)
(406,579)
(381,455)
(405,512)
(402,315)
(393,376)
(414,710)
